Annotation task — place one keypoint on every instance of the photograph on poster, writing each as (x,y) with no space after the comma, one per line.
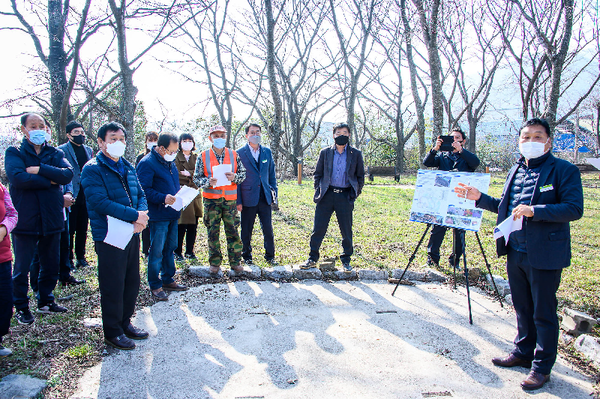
(435,202)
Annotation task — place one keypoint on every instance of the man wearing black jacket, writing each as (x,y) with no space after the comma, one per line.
(459,160)
(36,172)
(546,192)
(339,179)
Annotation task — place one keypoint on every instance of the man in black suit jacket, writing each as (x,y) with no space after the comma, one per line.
(339,179)
(256,193)
(547,192)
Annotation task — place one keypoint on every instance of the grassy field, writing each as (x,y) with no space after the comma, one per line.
(59,348)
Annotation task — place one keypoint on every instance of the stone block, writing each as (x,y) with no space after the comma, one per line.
(577,323)
(327,266)
(409,275)
(474,274)
(249,271)
(436,276)
(508,299)
(590,347)
(94,322)
(204,272)
(501,284)
(367,274)
(307,274)
(340,275)
(278,272)
(21,386)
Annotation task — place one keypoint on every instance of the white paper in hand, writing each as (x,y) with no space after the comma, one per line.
(219,174)
(119,232)
(508,226)
(184,197)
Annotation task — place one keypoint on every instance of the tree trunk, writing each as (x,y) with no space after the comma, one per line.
(275,129)
(57,64)
(127,88)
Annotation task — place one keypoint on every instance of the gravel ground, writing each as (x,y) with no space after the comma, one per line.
(321,340)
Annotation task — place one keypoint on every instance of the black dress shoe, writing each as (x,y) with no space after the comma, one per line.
(511,361)
(534,381)
(120,342)
(71,281)
(135,333)
(81,263)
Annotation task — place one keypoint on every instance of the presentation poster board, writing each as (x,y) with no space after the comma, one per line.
(435,201)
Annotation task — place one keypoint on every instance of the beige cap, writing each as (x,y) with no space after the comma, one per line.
(217,128)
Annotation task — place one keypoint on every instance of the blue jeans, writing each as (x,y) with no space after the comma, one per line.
(163,242)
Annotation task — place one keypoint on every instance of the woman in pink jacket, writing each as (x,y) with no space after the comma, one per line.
(8,220)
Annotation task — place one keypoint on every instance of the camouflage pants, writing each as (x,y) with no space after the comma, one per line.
(216,210)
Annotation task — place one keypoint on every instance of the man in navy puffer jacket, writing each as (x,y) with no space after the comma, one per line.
(159,178)
(36,172)
(111,188)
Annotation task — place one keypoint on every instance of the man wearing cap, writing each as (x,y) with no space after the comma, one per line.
(220,202)
(77,153)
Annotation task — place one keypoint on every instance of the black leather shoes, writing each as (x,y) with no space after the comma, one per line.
(81,263)
(135,333)
(71,281)
(121,342)
(534,381)
(511,361)
(309,264)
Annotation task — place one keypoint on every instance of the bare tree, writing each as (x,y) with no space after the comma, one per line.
(543,44)
(60,55)
(488,51)
(356,47)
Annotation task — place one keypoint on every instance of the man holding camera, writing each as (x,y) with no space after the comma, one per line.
(457,160)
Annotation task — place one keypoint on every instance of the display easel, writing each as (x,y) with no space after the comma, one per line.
(466,270)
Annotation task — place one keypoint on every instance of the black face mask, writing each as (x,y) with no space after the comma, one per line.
(78,139)
(342,140)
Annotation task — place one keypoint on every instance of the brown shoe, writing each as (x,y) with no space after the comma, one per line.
(174,287)
(511,361)
(238,268)
(160,295)
(534,381)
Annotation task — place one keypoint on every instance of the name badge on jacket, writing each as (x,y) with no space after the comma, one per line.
(545,188)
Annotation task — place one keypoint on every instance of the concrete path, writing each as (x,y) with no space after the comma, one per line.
(321,340)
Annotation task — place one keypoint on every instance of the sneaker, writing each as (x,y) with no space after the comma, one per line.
(431,263)
(5,351)
(272,262)
(81,263)
(190,256)
(309,264)
(249,262)
(174,287)
(120,342)
(347,267)
(454,263)
(178,257)
(52,308)
(24,316)
(71,281)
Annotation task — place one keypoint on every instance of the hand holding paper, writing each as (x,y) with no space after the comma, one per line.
(219,174)
(183,198)
(509,225)
(119,232)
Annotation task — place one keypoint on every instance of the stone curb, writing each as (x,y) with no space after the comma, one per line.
(288,272)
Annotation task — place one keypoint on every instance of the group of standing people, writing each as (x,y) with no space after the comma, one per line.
(52,192)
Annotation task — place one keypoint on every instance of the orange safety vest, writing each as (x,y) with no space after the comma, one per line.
(210,160)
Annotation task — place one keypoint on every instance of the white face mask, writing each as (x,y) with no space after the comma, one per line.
(532,149)
(187,146)
(48,137)
(150,145)
(170,157)
(116,149)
